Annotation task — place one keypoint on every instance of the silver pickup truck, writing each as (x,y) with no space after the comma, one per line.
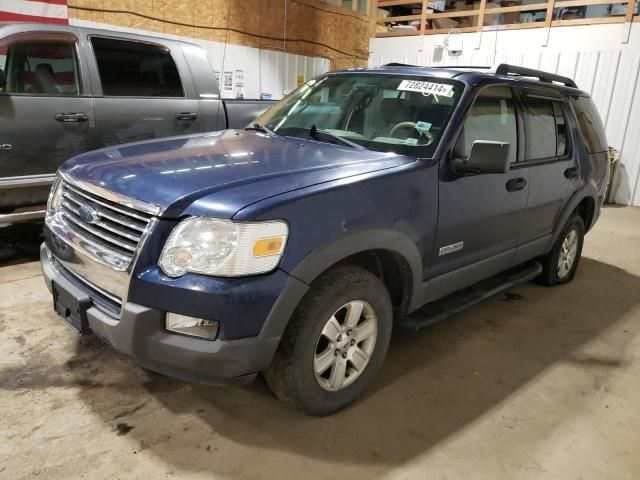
(65,90)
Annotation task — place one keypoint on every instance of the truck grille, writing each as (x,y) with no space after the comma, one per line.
(109,226)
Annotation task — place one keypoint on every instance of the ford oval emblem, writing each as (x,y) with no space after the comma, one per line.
(88,214)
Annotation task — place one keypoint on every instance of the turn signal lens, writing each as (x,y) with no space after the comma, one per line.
(268,246)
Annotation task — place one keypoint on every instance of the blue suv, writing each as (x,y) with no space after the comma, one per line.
(363,201)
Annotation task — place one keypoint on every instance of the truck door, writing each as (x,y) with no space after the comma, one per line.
(46,112)
(143,91)
(479,216)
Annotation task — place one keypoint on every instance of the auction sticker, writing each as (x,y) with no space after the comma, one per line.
(443,89)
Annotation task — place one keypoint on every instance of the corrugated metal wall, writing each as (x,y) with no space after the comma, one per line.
(265,70)
(597,57)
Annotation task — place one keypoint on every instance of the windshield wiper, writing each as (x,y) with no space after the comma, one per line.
(260,128)
(315,133)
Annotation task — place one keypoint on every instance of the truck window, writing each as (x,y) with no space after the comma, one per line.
(135,69)
(590,124)
(40,67)
(492,117)
(545,129)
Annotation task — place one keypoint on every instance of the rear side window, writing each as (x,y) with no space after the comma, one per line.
(40,67)
(492,117)
(590,124)
(562,147)
(136,69)
(545,128)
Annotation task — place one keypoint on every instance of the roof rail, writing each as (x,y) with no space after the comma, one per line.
(453,67)
(506,69)
(463,67)
(394,64)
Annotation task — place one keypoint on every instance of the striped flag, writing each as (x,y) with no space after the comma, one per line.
(45,11)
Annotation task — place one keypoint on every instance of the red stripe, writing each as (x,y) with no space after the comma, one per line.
(54,2)
(17,17)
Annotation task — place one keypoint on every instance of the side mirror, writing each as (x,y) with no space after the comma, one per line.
(3,79)
(485,157)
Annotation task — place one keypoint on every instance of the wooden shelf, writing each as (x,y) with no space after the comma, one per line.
(429,18)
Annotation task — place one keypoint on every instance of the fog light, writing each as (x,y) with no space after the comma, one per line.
(196,327)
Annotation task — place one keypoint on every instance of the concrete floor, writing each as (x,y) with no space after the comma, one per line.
(537,383)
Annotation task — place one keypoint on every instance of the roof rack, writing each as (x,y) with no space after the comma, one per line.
(394,64)
(506,69)
(463,67)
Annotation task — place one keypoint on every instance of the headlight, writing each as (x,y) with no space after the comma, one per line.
(223,248)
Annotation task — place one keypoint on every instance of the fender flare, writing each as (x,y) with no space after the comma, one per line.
(579,195)
(322,258)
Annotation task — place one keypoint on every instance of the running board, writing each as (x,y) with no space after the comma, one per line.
(439,310)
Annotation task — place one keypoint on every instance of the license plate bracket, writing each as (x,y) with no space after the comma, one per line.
(72,307)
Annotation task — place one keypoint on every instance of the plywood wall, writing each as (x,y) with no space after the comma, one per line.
(305,27)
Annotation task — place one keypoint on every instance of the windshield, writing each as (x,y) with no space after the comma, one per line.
(406,115)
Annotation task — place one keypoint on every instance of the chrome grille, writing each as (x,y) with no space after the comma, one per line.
(109,226)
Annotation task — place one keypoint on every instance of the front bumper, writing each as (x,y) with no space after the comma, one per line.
(139,333)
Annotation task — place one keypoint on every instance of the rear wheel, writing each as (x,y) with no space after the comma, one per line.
(335,342)
(560,264)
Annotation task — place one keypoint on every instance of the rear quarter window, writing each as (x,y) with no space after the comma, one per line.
(590,124)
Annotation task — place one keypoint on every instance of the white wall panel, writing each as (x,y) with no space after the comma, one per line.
(265,71)
(594,56)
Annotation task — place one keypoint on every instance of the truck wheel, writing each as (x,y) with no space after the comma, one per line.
(560,264)
(335,342)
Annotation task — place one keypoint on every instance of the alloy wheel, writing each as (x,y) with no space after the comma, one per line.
(567,255)
(345,345)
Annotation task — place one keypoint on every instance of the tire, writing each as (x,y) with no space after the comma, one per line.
(293,375)
(552,273)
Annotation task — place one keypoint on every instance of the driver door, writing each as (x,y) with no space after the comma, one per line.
(479,216)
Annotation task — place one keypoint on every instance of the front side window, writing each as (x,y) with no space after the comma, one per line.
(136,69)
(377,112)
(40,67)
(493,118)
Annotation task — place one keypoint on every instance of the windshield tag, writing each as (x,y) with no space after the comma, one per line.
(409,141)
(443,89)
(423,127)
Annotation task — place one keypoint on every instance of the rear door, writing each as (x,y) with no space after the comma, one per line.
(142,89)
(479,216)
(46,112)
(553,170)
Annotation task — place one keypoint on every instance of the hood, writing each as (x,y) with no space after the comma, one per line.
(174,172)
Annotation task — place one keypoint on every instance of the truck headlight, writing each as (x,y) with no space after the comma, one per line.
(224,248)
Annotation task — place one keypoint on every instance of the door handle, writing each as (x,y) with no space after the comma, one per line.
(516,184)
(571,172)
(186,116)
(71,117)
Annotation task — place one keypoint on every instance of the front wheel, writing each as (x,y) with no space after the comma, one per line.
(560,264)
(335,343)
